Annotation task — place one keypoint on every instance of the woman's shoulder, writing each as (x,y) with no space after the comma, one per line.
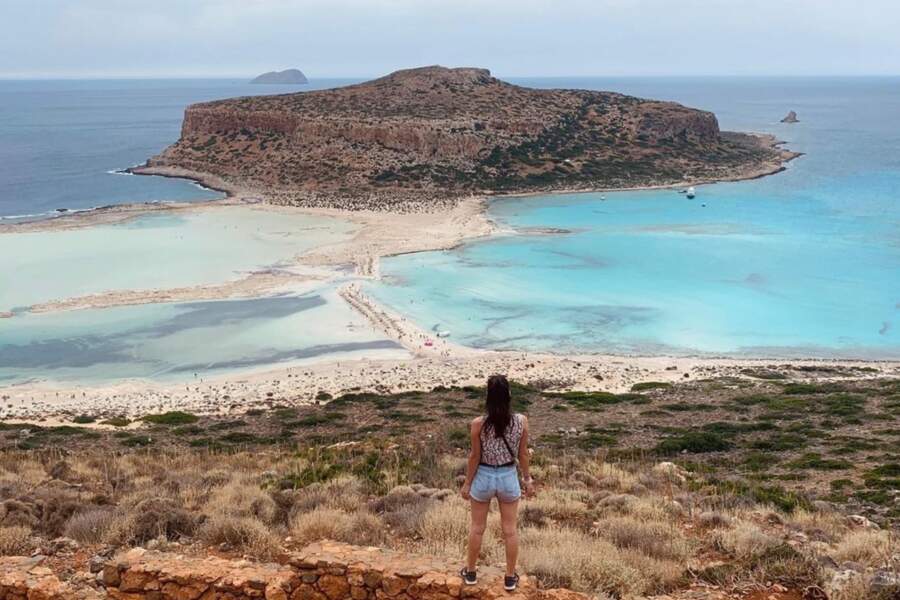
(477,422)
(520,418)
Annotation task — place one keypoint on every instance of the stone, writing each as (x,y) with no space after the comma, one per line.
(358,592)
(791,118)
(372,579)
(335,587)
(95,564)
(63,545)
(307,592)
(394,585)
(862,522)
(884,580)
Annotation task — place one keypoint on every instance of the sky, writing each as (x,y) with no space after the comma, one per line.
(361,38)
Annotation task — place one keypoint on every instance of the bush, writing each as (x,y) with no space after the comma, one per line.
(745,540)
(239,499)
(342,493)
(15,540)
(694,441)
(562,557)
(151,518)
(653,538)
(871,548)
(360,528)
(248,534)
(91,525)
(403,509)
(650,385)
(174,417)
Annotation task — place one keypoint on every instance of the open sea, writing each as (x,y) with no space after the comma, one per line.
(803,263)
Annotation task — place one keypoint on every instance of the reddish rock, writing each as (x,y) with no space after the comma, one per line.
(454,131)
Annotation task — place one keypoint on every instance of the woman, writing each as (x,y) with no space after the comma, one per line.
(498,439)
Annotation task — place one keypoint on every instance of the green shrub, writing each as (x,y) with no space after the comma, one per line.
(174,417)
(650,385)
(694,441)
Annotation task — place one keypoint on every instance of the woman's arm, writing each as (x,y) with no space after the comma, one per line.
(474,456)
(524,459)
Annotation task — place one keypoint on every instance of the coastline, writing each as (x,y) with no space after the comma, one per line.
(439,362)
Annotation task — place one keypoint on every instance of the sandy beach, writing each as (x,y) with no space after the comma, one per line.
(435,361)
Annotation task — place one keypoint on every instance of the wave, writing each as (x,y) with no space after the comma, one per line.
(50,214)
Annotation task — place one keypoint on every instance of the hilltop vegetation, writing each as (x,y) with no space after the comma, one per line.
(456,131)
(735,484)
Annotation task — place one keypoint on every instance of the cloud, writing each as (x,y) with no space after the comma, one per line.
(513,37)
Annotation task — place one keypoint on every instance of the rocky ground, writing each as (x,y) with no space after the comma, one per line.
(423,136)
(761,487)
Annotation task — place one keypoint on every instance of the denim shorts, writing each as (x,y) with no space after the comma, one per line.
(502,482)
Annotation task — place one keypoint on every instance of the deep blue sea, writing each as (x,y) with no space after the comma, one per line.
(61,142)
(803,263)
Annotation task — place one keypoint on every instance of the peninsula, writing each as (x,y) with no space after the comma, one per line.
(435,132)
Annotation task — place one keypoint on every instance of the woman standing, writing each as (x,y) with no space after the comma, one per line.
(499,439)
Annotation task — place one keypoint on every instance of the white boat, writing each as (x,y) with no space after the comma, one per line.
(691,192)
(443,334)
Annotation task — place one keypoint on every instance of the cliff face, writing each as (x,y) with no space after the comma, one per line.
(454,130)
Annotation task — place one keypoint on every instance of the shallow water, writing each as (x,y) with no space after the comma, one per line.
(804,263)
(172,342)
(155,251)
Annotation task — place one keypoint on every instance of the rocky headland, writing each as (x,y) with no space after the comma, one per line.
(422,134)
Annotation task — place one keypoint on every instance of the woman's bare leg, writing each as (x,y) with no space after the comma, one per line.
(476,532)
(509,517)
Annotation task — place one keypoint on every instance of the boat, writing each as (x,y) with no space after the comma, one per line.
(691,192)
(443,334)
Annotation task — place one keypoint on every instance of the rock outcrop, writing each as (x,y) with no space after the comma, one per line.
(435,129)
(24,578)
(288,76)
(321,571)
(791,118)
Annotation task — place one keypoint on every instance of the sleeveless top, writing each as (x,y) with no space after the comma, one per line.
(494,451)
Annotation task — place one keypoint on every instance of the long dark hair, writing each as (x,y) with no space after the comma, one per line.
(498,405)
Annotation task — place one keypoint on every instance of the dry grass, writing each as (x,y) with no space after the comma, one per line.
(745,540)
(606,529)
(867,547)
(91,526)
(567,557)
(248,534)
(15,540)
(360,528)
(655,539)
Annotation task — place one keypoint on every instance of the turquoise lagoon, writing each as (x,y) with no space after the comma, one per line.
(805,263)
(161,250)
(173,341)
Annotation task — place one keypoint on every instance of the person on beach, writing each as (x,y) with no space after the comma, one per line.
(499,441)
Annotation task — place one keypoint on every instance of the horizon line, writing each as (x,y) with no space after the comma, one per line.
(118,77)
